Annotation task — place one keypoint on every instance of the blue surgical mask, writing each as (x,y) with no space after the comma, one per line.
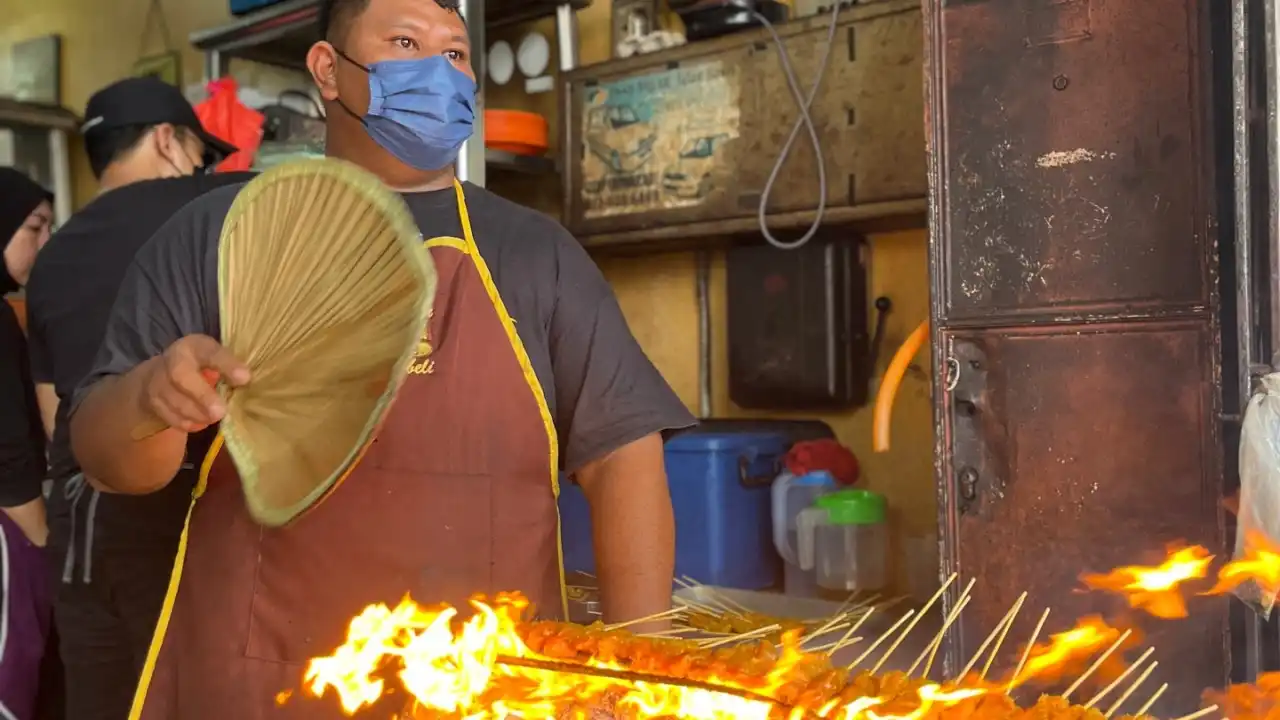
(420,111)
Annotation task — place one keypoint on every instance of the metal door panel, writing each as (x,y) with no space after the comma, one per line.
(1088,447)
(1072,169)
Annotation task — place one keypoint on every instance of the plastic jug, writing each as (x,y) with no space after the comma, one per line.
(845,538)
(791,495)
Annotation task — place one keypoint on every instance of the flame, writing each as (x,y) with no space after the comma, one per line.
(1067,652)
(486,668)
(1258,701)
(1156,589)
(1260,564)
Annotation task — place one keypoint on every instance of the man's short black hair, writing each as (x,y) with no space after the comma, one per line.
(336,15)
(107,145)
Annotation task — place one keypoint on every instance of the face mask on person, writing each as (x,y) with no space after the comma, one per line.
(420,111)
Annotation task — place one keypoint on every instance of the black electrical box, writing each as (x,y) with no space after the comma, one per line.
(798,325)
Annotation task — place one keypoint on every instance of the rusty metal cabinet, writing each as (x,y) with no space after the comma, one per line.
(680,144)
(1075,309)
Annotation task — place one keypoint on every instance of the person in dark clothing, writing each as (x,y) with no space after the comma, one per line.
(112,554)
(26,215)
(526,367)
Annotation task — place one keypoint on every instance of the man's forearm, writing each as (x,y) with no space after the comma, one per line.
(30,518)
(102,437)
(634,532)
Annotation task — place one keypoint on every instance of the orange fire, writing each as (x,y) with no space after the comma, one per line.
(1068,652)
(482,668)
(1156,589)
(1260,564)
(1260,701)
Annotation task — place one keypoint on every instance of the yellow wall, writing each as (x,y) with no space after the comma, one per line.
(101,39)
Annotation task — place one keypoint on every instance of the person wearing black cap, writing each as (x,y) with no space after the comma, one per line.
(26,215)
(143,128)
(113,554)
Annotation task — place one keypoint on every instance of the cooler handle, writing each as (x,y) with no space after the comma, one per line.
(754,481)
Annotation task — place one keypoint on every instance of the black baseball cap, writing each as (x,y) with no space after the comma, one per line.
(147,101)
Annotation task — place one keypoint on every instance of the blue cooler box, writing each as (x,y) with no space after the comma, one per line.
(720,492)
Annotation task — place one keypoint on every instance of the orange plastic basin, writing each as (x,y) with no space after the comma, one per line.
(515,131)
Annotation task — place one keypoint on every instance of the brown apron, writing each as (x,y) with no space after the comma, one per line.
(457,495)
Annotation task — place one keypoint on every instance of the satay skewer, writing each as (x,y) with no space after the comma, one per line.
(1199,713)
(1003,624)
(665,614)
(1154,697)
(1096,664)
(884,636)
(1114,683)
(845,639)
(743,636)
(1141,679)
(916,620)
(1035,634)
(932,648)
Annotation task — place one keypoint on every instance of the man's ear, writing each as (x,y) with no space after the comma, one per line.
(322,62)
(163,135)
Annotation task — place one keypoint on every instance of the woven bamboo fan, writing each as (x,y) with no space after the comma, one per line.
(324,290)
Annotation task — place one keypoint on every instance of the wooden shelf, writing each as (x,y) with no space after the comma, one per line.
(281,34)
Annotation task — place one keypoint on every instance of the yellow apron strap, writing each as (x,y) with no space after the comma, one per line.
(171,595)
(530,378)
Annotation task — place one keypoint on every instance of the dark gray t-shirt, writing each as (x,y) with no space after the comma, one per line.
(603,391)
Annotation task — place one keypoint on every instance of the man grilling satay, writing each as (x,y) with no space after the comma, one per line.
(457,494)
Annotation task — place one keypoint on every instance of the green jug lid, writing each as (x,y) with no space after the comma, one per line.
(852,507)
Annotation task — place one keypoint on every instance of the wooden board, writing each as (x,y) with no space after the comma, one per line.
(680,142)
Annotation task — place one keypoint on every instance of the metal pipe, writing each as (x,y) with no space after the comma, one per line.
(60,175)
(1244,251)
(567,36)
(471,163)
(1272,142)
(1240,164)
(704,334)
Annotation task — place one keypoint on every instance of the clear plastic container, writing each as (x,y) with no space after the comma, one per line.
(791,495)
(845,538)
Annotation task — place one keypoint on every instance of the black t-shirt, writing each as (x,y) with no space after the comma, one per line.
(602,390)
(71,291)
(22,466)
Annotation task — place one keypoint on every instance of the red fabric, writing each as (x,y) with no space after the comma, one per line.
(225,116)
(826,454)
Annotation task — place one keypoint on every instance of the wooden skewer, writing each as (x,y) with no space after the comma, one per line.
(1008,618)
(1096,664)
(916,620)
(844,640)
(744,636)
(1141,679)
(832,647)
(704,609)
(648,618)
(1004,633)
(707,594)
(932,648)
(1026,653)
(1198,713)
(668,633)
(725,599)
(1142,712)
(884,636)
(1112,685)
(828,626)
(814,635)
